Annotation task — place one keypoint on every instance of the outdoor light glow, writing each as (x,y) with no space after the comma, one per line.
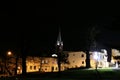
(62,43)
(19,67)
(95,55)
(54,55)
(58,43)
(9,53)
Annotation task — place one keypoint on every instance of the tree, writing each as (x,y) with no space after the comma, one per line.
(61,58)
(59,50)
(24,60)
(91,39)
(23,52)
(42,57)
(4,62)
(64,57)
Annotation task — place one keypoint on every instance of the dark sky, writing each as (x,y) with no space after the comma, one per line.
(41,36)
(38,22)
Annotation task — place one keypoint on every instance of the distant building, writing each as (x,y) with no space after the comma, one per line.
(40,64)
(115,58)
(76,59)
(99,59)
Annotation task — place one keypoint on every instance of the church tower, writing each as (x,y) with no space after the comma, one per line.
(59,49)
(59,43)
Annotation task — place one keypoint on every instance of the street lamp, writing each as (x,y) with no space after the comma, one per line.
(9,53)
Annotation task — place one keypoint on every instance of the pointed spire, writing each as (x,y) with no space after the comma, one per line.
(59,40)
(59,35)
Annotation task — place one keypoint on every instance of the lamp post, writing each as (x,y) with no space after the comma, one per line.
(59,49)
(9,53)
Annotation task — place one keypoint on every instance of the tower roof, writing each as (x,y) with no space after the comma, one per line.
(59,40)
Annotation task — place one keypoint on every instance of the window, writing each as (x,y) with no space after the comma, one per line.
(46,61)
(76,66)
(82,62)
(82,55)
(52,68)
(34,67)
(45,68)
(53,62)
(43,61)
(30,67)
(56,68)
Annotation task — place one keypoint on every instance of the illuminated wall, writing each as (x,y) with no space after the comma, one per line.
(44,64)
(76,59)
(100,61)
(115,52)
(49,64)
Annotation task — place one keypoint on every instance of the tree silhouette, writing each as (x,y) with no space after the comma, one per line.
(23,52)
(61,56)
(91,41)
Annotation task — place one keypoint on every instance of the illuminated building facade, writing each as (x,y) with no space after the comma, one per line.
(76,59)
(99,59)
(49,64)
(115,58)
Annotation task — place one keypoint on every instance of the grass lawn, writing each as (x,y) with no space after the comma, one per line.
(85,74)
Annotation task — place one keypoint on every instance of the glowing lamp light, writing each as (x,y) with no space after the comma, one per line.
(58,43)
(9,53)
(95,56)
(19,67)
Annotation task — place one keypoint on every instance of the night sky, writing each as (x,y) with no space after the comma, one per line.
(39,24)
(41,36)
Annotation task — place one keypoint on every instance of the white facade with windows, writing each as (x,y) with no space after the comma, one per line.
(99,59)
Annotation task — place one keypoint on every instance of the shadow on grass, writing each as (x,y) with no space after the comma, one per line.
(78,74)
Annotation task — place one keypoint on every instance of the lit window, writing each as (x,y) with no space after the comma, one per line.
(82,62)
(82,55)
(43,61)
(18,67)
(46,61)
